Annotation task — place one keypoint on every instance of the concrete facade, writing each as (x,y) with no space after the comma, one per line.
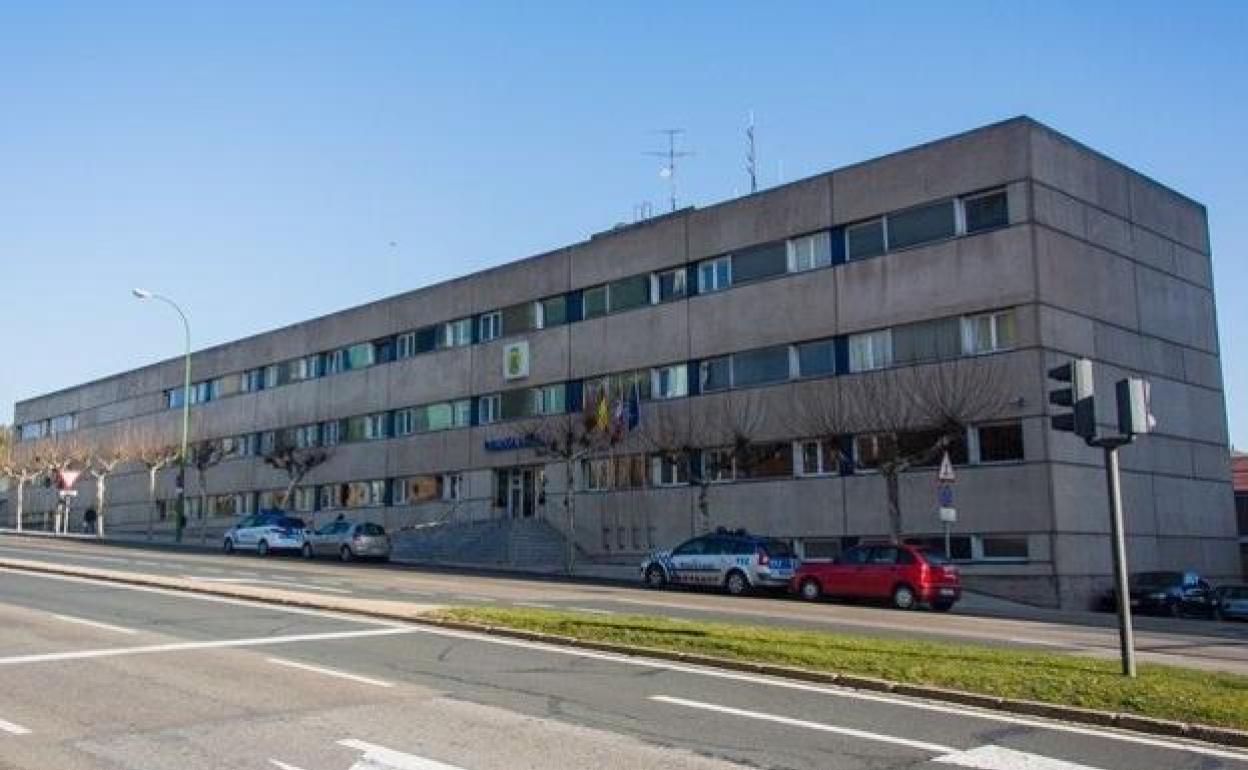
(1090,259)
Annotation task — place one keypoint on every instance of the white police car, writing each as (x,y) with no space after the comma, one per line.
(735,561)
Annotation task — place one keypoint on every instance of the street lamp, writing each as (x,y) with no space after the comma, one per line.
(186,405)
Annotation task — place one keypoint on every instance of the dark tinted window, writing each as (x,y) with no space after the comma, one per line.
(733,546)
(554,311)
(854,556)
(816,358)
(1001,443)
(694,547)
(760,262)
(865,240)
(883,555)
(922,224)
(671,285)
(766,461)
(759,366)
(371,529)
(595,301)
(986,212)
(715,374)
(778,548)
(630,293)
(932,556)
(291,523)
(1157,579)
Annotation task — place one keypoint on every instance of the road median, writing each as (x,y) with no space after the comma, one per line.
(1165,700)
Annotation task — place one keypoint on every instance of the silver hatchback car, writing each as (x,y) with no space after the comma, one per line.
(735,561)
(348,541)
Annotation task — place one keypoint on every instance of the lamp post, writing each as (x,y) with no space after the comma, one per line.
(186,407)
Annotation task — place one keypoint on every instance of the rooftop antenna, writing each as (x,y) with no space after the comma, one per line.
(751,158)
(671,154)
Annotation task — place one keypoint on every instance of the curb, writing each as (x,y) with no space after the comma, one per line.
(1224,736)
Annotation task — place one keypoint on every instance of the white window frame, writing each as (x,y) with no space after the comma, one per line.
(960,208)
(405,345)
(732,465)
(658,464)
(490,326)
(849,255)
(995,344)
(799,458)
(461,413)
(403,422)
(818,258)
(457,333)
(656,279)
(453,486)
(489,409)
(974,454)
(713,264)
(331,433)
(880,338)
(656,380)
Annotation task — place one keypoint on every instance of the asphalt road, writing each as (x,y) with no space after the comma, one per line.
(100,675)
(1198,643)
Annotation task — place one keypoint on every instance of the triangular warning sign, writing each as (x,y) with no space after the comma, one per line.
(946,473)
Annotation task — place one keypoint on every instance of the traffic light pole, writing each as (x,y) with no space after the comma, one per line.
(1126,637)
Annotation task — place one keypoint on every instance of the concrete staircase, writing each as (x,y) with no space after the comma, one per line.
(524,544)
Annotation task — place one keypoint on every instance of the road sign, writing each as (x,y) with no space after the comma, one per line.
(946,474)
(944,495)
(66,479)
(948,515)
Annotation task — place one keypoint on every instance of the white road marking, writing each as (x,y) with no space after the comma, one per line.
(381,758)
(471,598)
(538,605)
(13,729)
(934,748)
(95,624)
(262,641)
(957,710)
(590,610)
(1020,640)
(262,582)
(283,765)
(331,672)
(1001,758)
(236,601)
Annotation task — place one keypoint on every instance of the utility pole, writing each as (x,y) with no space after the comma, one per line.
(671,154)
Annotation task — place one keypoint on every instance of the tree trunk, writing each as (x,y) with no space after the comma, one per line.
(21,488)
(203,515)
(704,507)
(569,503)
(151,499)
(100,491)
(892,484)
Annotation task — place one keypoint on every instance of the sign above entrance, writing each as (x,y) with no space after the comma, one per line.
(509,443)
(516,360)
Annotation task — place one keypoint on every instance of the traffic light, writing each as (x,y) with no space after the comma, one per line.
(1135,414)
(1078,396)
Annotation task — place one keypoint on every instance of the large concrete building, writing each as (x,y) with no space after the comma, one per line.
(1010,246)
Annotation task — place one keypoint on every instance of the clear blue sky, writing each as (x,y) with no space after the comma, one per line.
(256,160)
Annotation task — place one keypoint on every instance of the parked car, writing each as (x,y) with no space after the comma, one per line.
(266,531)
(1232,602)
(735,561)
(1170,593)
(348,541)
(906,575)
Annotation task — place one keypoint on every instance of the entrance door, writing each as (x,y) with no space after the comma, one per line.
(520,488)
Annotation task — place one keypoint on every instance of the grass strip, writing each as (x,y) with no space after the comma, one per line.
(1165,692)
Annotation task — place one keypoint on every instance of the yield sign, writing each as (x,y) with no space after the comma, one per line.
(66,479)
(946,474)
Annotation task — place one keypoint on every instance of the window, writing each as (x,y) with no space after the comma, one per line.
(519,318)
(714,275)
(490,326)
(986,211)
(229,385)
(253,380)
(716,374)
(364,494)
(872,448)
(360,356)
(628,293)
(452,486)
(718,465)
(817,457)
(670,381)
(816,359)
(668,285)
(920,446)
(865,239)
(416,489)
(331,432)
(871,350)
(489,409)
(960,546)
(335,361)
(988,332)
(926,341)
(999,443)
(552,312)
(375,426)
(403,422)
(810,252)
(305,368)
(305,498)
(760,262)
(999,547)
(457,333)
(921,224)
(596,474)
(438,416)
(757,367)
(274,376)
(268,442)
(63,423)
(34,430)
(550,399)
(516,403)
(595,302)
(405,345)
(766,461)
(307,436)
(670,469)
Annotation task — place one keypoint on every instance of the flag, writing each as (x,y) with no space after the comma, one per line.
(602,414)
(634,407)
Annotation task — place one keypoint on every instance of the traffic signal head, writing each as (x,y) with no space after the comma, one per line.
(1135,414)
(1078,396)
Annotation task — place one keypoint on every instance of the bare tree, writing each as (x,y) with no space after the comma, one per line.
(203,456)
(19,463)
(101,462)
(296,462)
(917,413)
(155,452)
(56,455)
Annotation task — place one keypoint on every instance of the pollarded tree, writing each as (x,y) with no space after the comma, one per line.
(19,463)
(296,462)
(57,455)
(203,456)
(154,452)
(104,458)
(913,415)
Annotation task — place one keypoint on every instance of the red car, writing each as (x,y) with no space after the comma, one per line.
(906,575)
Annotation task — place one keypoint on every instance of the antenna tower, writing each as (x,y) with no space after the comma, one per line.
(751,158)
(671,154)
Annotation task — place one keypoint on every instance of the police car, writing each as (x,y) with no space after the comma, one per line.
(735,561)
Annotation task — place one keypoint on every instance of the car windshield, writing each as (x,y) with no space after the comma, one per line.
(932,556)
(778,549)
(371,529)
(1156,579)
(291,523)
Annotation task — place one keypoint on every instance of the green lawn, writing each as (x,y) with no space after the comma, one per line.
(1167,692)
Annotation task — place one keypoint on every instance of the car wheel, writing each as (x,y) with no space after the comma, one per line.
(262,548)
(229,545)
(903,597)
(655,576)
(942,606)
(1174,610)
(307,550)
(345,554)
(736,584)
(809,590)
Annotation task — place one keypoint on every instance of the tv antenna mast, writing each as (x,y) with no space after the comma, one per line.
(671,154)
(751,157)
